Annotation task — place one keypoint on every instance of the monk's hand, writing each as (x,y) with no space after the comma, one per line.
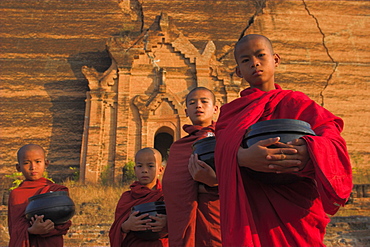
(283,161)
(39,226)
(302,151)
(159,224)
(202,172)
(258,156)
(135,223)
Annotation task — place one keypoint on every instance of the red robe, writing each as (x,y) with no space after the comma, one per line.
(254,213)
(192,218)
(17,222)
(137,195)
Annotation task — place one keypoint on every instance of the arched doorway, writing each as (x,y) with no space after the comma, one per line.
(163,140)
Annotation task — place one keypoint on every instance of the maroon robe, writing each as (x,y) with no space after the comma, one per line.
(254,213)
(18,224)
(192,218)
(138,194)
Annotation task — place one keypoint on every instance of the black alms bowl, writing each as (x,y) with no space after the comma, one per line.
(56,206)
(152,208)
(205,149)
(287,130)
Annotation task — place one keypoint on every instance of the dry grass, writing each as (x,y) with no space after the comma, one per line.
(95,204)
(361,174)
(359,207)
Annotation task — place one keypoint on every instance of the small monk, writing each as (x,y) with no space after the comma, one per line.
(37,231)
(292,212)
(190,185)
(148,167)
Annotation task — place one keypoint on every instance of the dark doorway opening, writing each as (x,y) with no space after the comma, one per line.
(162,142)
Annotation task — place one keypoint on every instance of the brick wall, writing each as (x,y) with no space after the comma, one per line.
(323,45)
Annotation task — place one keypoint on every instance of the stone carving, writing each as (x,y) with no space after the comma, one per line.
(98,80)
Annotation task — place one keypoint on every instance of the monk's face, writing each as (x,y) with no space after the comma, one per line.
(32,163)
(147,168)
(256,63)
(201,107)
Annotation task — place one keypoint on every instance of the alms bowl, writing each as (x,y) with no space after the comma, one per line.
(205,149)
(152,208)
(287,130)
(56,206)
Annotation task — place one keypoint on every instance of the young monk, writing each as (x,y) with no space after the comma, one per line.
(147,188)
(192,207)
(255,212)
(37,232)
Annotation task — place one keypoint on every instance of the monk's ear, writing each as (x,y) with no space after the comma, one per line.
(160,169)
(18,167)
(238,73)
(186,113)
(47,163)
(215,109)
(277,59)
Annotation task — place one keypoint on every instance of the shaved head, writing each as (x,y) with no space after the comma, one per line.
(148,166)
(26,148)
(250,37)
(153,151)
(200,88)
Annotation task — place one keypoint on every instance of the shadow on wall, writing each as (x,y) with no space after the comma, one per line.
(68,111)
(100,60)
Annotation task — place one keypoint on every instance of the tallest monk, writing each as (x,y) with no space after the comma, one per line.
(289,212)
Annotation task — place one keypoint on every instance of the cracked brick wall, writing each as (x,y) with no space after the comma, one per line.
(323,45)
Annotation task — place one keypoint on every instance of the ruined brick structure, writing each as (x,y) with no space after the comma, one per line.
(140,100)
(83,116)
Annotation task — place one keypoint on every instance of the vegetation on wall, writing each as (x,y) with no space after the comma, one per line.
(129,173)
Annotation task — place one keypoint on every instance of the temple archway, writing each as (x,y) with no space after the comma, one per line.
(162,141)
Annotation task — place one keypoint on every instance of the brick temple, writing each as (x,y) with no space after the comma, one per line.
(88,79)
(140,100)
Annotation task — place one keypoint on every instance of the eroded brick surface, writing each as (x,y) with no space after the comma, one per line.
(44,45)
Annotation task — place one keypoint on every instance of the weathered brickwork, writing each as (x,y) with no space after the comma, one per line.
(45,44)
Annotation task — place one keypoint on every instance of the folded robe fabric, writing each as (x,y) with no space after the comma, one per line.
(17,222)
(193,219)
(255,213)
(138,194)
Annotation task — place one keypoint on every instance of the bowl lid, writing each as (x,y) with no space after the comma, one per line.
(150,206)
(48,194)
(280,125)
(210,139)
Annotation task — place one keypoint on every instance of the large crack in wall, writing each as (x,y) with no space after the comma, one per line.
(336,64)
(259,5)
